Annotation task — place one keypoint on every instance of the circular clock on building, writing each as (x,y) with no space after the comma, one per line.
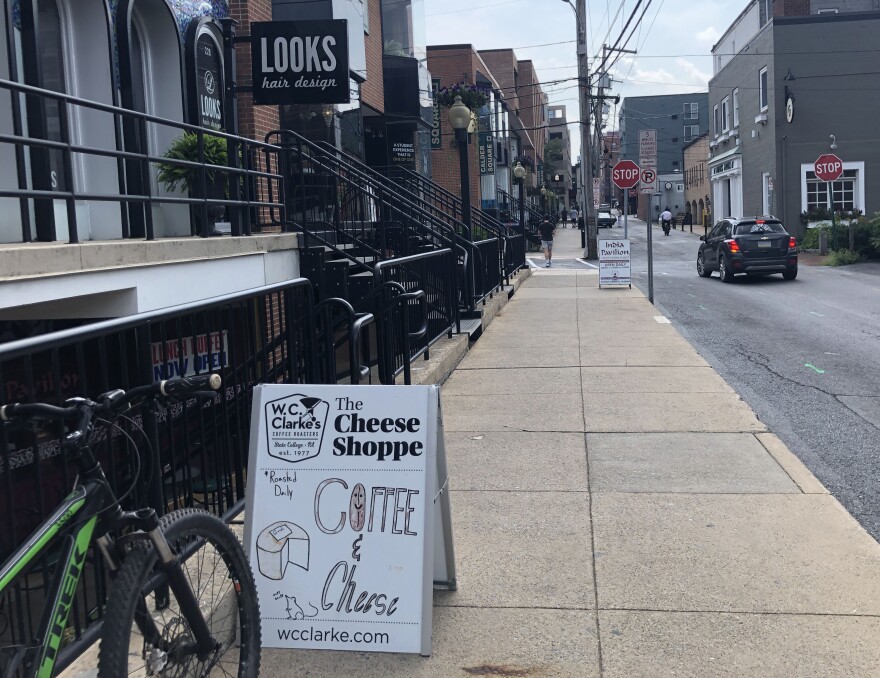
(789,109)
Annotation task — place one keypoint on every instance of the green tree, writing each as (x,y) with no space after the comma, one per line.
(553,155)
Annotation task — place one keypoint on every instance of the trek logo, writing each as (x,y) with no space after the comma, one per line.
(295,427)
(65,598)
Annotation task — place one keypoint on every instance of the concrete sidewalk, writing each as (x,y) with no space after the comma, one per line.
(600,533)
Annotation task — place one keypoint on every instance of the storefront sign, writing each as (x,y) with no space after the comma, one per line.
(403,153)
(486,153)
(614,263)
(300,62)
(436,127)
(184,359)
(209,82)
(345,507)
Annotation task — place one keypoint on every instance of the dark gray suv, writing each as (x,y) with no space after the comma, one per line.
(752,245)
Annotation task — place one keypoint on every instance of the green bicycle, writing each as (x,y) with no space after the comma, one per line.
(182,601)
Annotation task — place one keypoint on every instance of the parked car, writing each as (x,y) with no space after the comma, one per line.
(605,218)
(751,245)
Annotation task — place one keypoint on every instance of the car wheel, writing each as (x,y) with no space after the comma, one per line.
(725,273)
(790,275)
(701,267)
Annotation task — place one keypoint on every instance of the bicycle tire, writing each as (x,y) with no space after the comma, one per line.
(120,632)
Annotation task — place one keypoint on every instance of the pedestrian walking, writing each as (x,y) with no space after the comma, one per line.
(574,217)
(547,228)
(562,217)
(666,220)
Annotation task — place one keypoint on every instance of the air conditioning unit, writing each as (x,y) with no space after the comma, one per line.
(761,119)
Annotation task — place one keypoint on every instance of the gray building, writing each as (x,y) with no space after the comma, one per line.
(678,119)
(795,79)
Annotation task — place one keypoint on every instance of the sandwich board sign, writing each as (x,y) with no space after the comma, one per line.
(614,263)
(348,520)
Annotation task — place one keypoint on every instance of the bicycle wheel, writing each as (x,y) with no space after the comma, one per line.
(223,584)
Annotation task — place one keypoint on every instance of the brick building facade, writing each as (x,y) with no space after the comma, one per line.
(451,64)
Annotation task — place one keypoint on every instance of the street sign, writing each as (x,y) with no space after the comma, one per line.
(828,167)
(625,174)
(649,178)
(648,158)
(648,146)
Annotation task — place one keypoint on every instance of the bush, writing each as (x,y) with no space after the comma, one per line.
(866,237)
(810,240)
(842,258)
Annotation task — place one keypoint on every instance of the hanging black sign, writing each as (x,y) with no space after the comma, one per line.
(300,62)
(209,70)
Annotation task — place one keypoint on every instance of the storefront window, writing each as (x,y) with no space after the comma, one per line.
(844,192)
(403,28)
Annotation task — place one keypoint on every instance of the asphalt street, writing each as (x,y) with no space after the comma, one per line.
(804,354)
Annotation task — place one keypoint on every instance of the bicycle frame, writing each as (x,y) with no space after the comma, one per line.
(76,536)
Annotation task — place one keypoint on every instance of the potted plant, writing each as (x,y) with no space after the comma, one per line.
(175,175)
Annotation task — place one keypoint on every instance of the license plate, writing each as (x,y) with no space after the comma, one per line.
(764,243)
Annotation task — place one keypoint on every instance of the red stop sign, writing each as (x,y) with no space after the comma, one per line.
(828,167)
(625,174)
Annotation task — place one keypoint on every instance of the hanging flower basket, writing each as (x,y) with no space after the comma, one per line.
(471,96)
(524,160)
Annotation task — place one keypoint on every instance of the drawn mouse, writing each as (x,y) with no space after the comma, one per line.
(294,611)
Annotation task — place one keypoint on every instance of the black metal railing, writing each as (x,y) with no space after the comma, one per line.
(532,217)
(245,190)
(190,454)
(387,223)
(416,307)
(483,225)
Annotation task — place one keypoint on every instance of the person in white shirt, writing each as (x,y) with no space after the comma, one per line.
(666,220)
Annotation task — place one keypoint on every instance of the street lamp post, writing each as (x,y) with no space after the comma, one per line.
(460,118)
(543,200)
(519,172)
(519,175)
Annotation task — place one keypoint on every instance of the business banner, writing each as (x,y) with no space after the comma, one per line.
(209,82)
(300,62)
(345,500)
(614,263)
(486,153)
(436,127)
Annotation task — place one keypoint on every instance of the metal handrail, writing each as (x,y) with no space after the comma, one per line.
(25,347)
(331,159)
(239,170)
(356,323)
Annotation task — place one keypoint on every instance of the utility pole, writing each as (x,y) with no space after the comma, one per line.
(587,206)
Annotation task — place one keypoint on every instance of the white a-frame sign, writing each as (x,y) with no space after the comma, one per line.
(348,524)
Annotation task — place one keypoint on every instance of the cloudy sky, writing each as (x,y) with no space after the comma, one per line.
(674,39)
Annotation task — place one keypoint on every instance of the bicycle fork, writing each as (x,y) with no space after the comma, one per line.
(171,566)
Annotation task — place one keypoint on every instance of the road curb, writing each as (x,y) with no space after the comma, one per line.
(794,467)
